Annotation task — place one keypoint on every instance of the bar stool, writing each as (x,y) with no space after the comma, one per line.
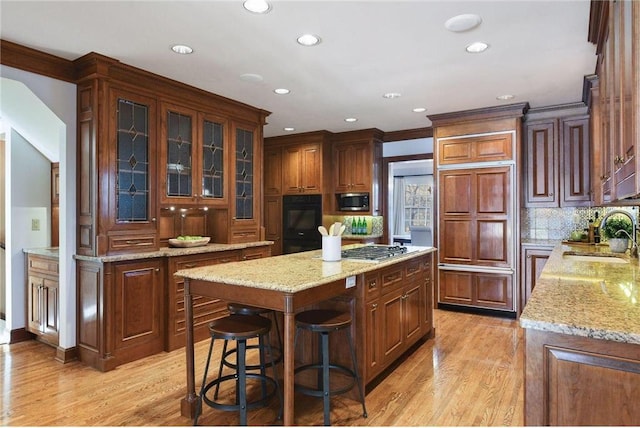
(238,309)
(240,328)
(325,322)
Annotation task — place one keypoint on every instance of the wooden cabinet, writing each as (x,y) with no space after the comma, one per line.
(43,301)
(273,222)
(302,169)
(55,204)
(477,289)
(130,309)
(193,157)
(485,148)
(356,163)
(151,151)
(397,311)
(205,309)
(534,257)
(557,162)
(272,171)
(615,29)
(138,322)
(578,381)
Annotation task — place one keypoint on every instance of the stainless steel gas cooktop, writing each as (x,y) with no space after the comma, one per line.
(373,252)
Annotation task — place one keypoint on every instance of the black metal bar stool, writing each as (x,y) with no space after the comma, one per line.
(325,322)
(240,328)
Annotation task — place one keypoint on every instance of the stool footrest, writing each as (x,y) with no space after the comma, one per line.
(268,363)
(231,407)
(314,392)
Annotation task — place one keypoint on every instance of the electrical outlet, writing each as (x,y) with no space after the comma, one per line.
(35,224)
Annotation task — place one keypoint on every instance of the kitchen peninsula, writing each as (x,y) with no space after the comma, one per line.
(389,300)
(582,340)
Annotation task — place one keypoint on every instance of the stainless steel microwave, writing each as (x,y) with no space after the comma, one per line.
(352,201)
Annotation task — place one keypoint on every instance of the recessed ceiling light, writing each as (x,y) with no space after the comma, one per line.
(281,91)
(309,40)
(257,6)
(251,77)
(505,97)
(289,129)
(392,95)
(182,49)
(419,109)
(351,119)
(463,22)
(477,47)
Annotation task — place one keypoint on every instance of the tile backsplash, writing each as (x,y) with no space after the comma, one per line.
(558,223)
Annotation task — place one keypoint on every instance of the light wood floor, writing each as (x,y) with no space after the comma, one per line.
(470,374)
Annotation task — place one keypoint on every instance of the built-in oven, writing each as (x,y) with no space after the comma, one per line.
(301,216)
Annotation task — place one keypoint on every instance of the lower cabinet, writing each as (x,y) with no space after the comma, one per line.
(579,381)
(131,309)
(534,257)
(476,289)
(43,302)
(397,312)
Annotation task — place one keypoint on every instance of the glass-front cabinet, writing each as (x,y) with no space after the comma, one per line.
(193,157)
(246,162)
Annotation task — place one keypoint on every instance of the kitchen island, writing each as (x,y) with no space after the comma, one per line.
(582,339)
(390,303)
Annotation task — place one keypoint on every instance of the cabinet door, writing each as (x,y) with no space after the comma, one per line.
(456,287)
(343,164)
(245,199)
(392,329)
(311,169)
(493,291)
(138,325)
(412,307)
(273,222)
(575,160)
(273,171)
(133,201)
(541,173)
(362,160)
(533,261)
(212,162)
(292,159)
(427,314)
(179,155)
(50,311)
(373,340)
(34,302)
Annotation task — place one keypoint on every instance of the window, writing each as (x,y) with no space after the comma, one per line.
(414,202)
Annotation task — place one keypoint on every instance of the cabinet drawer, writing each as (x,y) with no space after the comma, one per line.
(486,148)
(132,243)
(391,278)
(245,235)
(371,285)
(256,253)
(43,265)
(412,269)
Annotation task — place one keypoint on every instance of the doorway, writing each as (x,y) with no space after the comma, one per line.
(408,199)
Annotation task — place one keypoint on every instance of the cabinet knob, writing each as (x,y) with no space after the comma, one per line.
(375,305)
(157,270)
(153,219)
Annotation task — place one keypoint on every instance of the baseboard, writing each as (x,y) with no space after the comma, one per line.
(20,335)
(66,355)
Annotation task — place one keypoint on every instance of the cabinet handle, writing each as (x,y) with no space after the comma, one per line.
(375,305)
(225,260)
(153,219)
(392,277)
(157,270)
(190,265)
(372,284)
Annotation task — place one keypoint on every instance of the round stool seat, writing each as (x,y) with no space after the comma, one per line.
(238,309)
(322,320)
(235,327)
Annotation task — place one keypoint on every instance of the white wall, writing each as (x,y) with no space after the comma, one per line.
(43,110)
(407,147)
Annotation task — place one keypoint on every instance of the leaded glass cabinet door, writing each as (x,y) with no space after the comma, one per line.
(179,155)
(212,164)
(246,159)
(134,174)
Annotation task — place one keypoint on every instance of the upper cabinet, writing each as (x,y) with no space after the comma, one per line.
(157,158)
(557,162)
(356,164)
(193,157)
(615,99)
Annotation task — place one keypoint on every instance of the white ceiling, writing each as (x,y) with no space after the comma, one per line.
(538,52)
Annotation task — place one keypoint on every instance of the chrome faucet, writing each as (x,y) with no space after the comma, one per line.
(634,247)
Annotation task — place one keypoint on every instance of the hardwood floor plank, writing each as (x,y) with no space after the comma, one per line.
(470,374)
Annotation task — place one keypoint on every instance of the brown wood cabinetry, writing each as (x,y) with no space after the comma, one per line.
(302,169)
(55,204)
(578,381)
(272,170)
(43,301)
(273,222)
(557,162)
(479,289)
(485,148)
(534,257)
(356,163)
(615,28)
(146,144)
(397,311)
(130,309)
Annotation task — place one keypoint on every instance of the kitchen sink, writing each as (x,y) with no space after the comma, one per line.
(593,257)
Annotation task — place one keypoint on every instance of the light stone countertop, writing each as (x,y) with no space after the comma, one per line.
(292,273)
(47,252)
(173,252)
(592,299)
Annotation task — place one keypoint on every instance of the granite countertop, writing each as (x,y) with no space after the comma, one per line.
(592,299)
(173,252)
(46,252)
(292,273)
(540,242)
(362,237)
